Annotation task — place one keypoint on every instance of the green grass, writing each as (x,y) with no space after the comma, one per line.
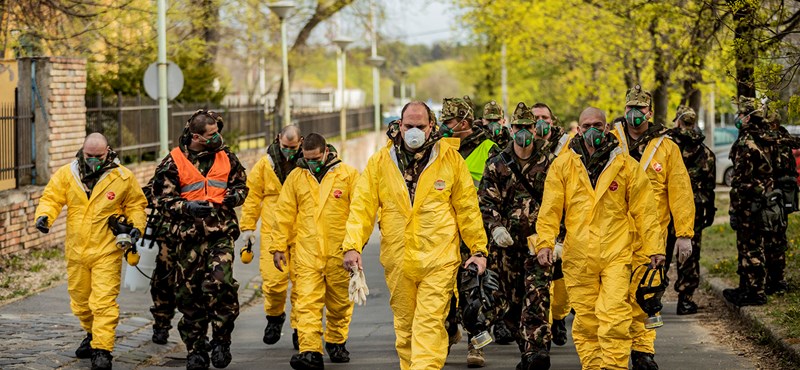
(718,250)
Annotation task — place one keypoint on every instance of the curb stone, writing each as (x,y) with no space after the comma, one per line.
(754,317)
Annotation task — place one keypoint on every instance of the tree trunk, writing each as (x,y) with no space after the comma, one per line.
(209,29)
(320,15)
(745,50)
(660,95)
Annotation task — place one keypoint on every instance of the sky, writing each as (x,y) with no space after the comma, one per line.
(420,21)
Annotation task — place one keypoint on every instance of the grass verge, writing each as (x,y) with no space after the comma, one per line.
(27,273)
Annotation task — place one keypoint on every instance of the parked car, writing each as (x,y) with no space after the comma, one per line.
(723,140)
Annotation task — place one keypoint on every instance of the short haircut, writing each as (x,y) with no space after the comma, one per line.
(314,141)
(543,105)
(417,102)
(199,121)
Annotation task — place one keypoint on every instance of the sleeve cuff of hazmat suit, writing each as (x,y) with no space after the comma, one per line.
(536,244)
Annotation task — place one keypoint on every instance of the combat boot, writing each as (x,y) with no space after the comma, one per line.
(744,297)
(685,305)
(559,331)
(475,357)
(643,361)
(197,360)
(101,359)
(272,333)
(535,361)
(779,287)
(307,361)
(220,354)
(85,348)
(337,352)
(160,335)
(295,340)
(501,333)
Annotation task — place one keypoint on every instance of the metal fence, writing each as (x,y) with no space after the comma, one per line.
(16,145)
(131,123)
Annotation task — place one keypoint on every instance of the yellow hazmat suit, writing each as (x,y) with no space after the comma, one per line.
(317,212)
(94,262)
(559,303)
(419,243)
(597,252)
(672,188)
(265,187)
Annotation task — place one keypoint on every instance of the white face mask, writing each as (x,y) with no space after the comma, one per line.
(414,138)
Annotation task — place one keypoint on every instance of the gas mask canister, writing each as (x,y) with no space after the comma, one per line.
(123,230)
(648,295)
(476,293)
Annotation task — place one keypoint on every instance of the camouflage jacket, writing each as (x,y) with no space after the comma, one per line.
(504,201)
(469,143)
(280,164)
(700,162)
(753,172)
(556,132)
(167,197)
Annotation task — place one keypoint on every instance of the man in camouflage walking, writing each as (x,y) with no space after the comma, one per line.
(510,195)
(495,123)
(700,162)
(198,185)
(753,211)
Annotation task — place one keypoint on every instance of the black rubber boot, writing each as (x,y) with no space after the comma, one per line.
(295,340)
(337,352)
(535,361)
(220,354)
(272,333)
(85,348)
(197,360)
(559,332)
(307,361)
(743,297)
(686,305)
(501,333)
(779,287)
(101,359)
(160,335)
(643,361)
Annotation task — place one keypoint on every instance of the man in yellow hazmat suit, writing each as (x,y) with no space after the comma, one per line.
(661,159)
(596,186)
(426,198)
(93,187)
(265,182)
(315,203)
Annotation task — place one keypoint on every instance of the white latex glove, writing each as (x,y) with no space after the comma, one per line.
(684,248)
(249,237)
(558,250)
(502,237)
(358,290)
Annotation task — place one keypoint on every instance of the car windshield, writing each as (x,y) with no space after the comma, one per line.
(725,136)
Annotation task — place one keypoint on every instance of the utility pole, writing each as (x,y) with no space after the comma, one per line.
(163,121)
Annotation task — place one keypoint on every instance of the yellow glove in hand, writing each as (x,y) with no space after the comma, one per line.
(358,290)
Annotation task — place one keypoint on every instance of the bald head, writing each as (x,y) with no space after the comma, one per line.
(291,132)
(592,117)
(290,138)
(95,145)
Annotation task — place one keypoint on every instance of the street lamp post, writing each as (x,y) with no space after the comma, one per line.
(376,63)
(342,43)
(403,74)
(281,9)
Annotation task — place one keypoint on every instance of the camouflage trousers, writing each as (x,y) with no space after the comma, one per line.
(535,327)
(206,291)
(510,265)
(688,271)
(775,247)
(162,288)
(752,261)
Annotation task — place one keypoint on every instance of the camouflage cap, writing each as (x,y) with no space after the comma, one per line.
(636,97)
(460,108)
(686,115)
(749,106)
(522,115)
(492,110)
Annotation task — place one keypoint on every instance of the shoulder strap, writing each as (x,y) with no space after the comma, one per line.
(561,142)
(653,153)
(518,173)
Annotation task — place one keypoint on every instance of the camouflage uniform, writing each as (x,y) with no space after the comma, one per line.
(701,164)
(753,175)
(206,290)
(162,282)
(505,202)
(498,133)
(785,178)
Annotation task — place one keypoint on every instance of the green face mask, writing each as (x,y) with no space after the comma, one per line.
(635,117)
(523,138)
(289,153)
(445,130)
(214,142)
(542,128)
(93,164)
(315,166)
(495,128)
(594,137)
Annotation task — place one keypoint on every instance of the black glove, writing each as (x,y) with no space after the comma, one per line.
(41,224)
(230,201)
(135,235)
(197,209)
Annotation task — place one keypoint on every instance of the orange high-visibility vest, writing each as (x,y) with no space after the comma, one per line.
(195,186)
